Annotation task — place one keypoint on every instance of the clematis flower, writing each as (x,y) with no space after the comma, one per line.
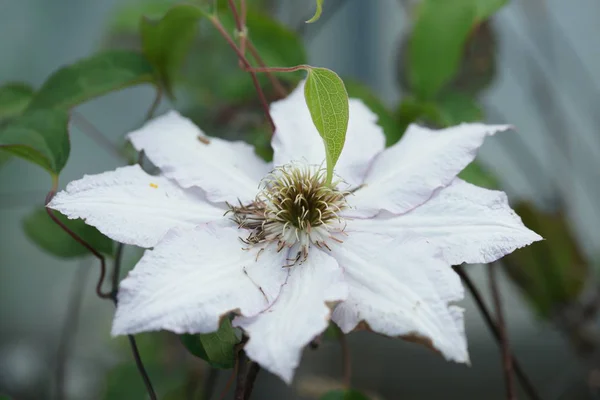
(284,251)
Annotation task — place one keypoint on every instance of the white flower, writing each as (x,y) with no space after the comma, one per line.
(275,245)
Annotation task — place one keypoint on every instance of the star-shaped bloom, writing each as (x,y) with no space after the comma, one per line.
(284,251)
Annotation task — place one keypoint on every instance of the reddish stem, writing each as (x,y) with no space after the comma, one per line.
(247,65)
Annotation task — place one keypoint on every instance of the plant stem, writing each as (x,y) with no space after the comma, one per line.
(491,324)
(251,378)
(69,328)
(281,91)
(240,386)
(217,24)
(346,361)
(505,347)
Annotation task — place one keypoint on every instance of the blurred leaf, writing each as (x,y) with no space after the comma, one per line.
(123,382)
(333,332)
(45,233)
(127,15)
(551,272)
(412,111)
(477,175)
(327,101)
(218,348)
(350,394)
(93,77)
(455,108)
(318,12)
(166,42)
(39,136)
(386,119)
(14,98)
(486,8)
(436,45)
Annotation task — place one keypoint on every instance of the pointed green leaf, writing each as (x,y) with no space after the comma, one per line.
(217,348)
(436,45)
(455,107)
(93,77)
(327,102)
(318,12)
(487,8)
(166,42)
(39,136)
(350,394)
(50,237)
(14,98)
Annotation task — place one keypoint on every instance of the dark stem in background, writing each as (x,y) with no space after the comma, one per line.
(217,24)
(506,358)
(491,324)
(82,242)
(229,381)
(209,383)
(253,371)
(155,104)
(240,385)
(89,129)
(112,295)
(70,327)
(346,361)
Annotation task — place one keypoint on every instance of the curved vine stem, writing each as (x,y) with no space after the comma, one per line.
(493,327)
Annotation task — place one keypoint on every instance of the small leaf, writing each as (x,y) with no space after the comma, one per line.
(487,8)
(14,99)
(45,233)
(327,102)
(350,394)
(436,45)
(93,77)
(39,136)
(166,42)
(217,348)
(318,12)
(386,119)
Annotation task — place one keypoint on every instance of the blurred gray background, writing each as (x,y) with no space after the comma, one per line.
(552,43)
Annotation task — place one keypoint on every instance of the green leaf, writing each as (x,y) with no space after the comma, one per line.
(318,12)
(166,42)
(436,45)
(93,77)
(411,111)
(327,102)
(487,8)
(455,108)
(392,129)
(39,136)
(217,348)
(14,99)
(350,394)
(477,175)
(45,233)
(126,17)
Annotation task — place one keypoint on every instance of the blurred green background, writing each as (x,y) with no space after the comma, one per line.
(533,64)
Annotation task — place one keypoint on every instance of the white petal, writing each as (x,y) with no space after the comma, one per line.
(278,335)
(406,174)
(401,288)
(192,278)
(468,223)
(227,171)
(132,207)
(297,139)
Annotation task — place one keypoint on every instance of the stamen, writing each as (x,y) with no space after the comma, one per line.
(294,206)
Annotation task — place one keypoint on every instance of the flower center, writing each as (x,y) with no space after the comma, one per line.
(294,206)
